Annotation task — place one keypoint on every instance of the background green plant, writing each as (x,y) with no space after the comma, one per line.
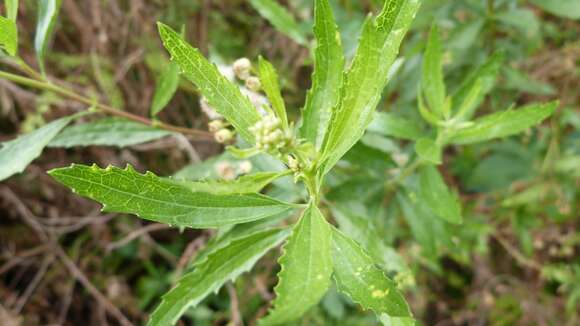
(517,195)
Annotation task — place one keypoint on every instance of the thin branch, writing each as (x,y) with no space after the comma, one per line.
(135,234)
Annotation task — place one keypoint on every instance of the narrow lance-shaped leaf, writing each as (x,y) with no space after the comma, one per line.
(221,94)
(392,125)
(432,82)
(326,77)
(246,184)
(358,277)
(222,265)
(482,78)
(280,18)
(366,78)
(15,155)
(435,193)
(47,16)
(165,88)
(428,150)
(162,200)
(108,132)
(503,124)
(11,9)
(269,80)
(8,36)
(306,268)
(563,8)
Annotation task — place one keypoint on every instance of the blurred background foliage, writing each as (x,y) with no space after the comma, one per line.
(514,261)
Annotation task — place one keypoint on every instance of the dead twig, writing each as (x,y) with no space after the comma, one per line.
(135,234)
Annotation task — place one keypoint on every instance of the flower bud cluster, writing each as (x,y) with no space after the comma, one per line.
(229,171)
(270,135)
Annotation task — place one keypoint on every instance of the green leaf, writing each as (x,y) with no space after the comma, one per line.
(11,9)
(163,200)
(306,268)
(387,320)
(390,124)
(108,132)
(434,192)
(269,80)
(225,264)
(358,277)
(246,184)
(221,94)
(503,124)
(280,18)
(563,8)
(428,150)
(165,88)
(432,82)
(326,77)
(482,78)
(47,16)
(366,78)
(15,155)
(8,36)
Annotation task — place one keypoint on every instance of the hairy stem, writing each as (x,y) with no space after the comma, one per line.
(48,86)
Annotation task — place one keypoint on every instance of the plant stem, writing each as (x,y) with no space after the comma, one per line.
(40,83)
(392,185)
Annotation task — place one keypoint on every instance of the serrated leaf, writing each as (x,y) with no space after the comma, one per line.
(366,78)
(432,82)
(47,16)
(482,78)
(165,88)
(15,155)
(163,200)
(435,193)
(280,18)
(225,264)
(503,124)
(357,276)
(108,132)
(306,268)
(11,9)
(326,77)
(428,150)
(390,124)
(221,94)
(8,36)
(563,8)
(269,80)
(246,184)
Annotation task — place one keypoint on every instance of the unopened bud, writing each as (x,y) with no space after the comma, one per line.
(253,84)
(293,163)
(245,167)
(242,68)
(223,136)
(215,125)
(226,171)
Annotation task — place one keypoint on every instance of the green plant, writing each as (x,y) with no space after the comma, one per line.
(339,108)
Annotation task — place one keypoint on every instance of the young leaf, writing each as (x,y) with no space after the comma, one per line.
(280,18)
(47,15)
(11,9)
(269,80)
(224,264)
(389,124)
(366,78)
(503,124)
(563,8)
(8,36)
(221,94)
(108,132)
(326,77)
(306,268)
(482,78)
(432,82)
(436,195)
(15,155)
(358,277)
(162,200)
(428,150)
(246,184)
(165,88)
